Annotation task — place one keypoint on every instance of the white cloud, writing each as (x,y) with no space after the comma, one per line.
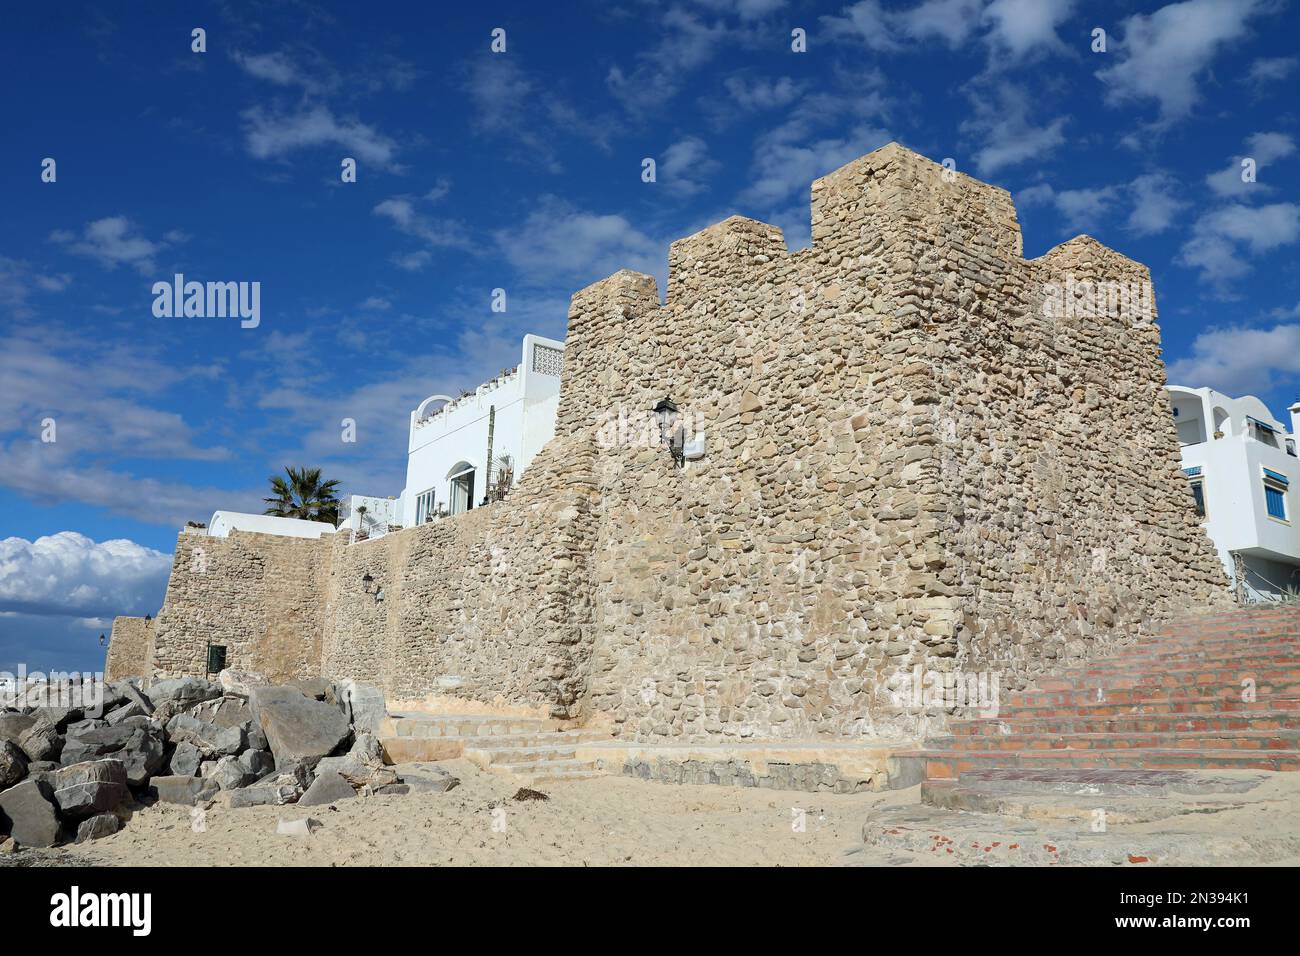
(68,574)
(18,280)
(684,165)
(752,94)
(1081,209)
(1223,238)
(1019,29)
(952,21)
(1155,203)
(1239,360)
(558,241)
(269,135)
(275,68)
(114,241)
(1009,136)
(1263,148)
(1272,69)
(405,213)
(1163,55)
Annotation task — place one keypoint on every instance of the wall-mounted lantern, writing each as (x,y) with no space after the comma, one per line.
(672,433)
(367,583)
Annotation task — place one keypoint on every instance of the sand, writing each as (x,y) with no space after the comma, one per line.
(600,822)
(607,821)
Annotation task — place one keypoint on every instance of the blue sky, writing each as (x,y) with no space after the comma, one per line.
(522,170)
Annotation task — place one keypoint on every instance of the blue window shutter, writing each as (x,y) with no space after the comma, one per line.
(1275,499)
(1275,476)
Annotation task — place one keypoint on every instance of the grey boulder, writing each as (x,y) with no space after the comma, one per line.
(327,788)
(41,741)
(130,709)
(100,825)
(27,814)
(186,791)
(86,789)
(185,760)
(230,774)
(361,766)
(257,762)
(298,728)
(211,740)
(182,690)
(365,703)
(133,741)
(12,726)
(13,764)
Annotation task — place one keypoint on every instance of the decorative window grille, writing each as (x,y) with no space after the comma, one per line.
(548,361)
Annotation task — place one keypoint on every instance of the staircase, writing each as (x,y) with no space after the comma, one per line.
(1177,700)
(1183,722)
(532,750)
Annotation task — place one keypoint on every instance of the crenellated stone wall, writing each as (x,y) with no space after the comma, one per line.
(911,460)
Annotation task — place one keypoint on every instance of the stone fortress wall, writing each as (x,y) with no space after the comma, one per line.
(910,461)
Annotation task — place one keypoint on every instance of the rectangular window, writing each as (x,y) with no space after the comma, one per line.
(1275,499)
(1275,485)
(1198,495)
(216,658)
(424,506)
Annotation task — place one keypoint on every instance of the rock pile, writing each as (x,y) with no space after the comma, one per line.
(77,772)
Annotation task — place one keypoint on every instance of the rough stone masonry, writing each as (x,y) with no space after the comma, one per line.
(909,460)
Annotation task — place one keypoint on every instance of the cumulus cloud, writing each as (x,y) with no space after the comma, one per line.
(1239,360)
(684,165)
(1010,136)
(1264,149)
(1020,29)
(1224,238)
(1163,55)
(408,215)
(68,574)
(1082,209)
(1272,69)
(115,241)
(1156,203)
(558,240)
(1010,30)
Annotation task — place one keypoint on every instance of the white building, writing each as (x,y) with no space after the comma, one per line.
(224,522)
(456,447)
(1242,468)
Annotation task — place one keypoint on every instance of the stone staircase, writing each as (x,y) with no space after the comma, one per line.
(1165,727)
(533,750)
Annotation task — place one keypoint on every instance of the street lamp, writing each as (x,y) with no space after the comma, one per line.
(672,433)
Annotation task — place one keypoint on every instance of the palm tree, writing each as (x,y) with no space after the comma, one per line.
(304,496)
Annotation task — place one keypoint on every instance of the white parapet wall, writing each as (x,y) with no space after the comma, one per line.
(447,464)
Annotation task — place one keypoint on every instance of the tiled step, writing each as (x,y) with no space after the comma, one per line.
(1266,673)
(1237,739)
(1146,695)
(1189,658)
(1168,723)
(1173,706)
(947,764)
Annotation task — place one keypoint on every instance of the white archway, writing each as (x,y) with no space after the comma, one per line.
(422,410)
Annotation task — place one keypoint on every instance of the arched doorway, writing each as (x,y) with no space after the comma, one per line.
(460,495)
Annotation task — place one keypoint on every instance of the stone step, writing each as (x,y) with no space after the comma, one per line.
(1148,783)
(526,767)
(948,764)
(1169,723)
(422,725)
(484,755)
(1235,739)
(420,749)
(979,839)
